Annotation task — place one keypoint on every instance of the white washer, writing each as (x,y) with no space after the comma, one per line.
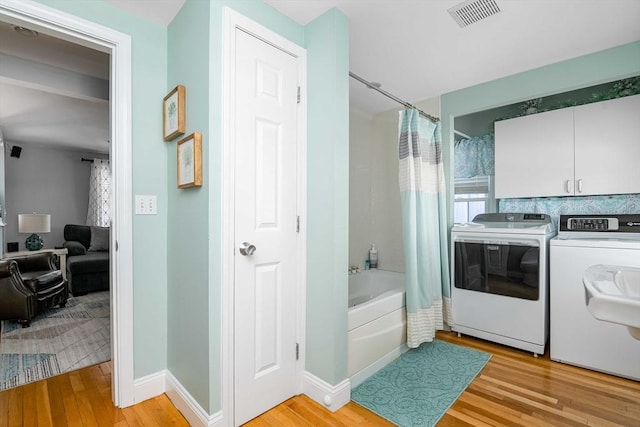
(576,337)
(499,269)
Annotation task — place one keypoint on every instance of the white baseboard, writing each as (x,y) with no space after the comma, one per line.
(192,411)
(330,396)
(360,376)
(164,382)
(150,386)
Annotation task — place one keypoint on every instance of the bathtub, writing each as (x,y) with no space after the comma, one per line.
(376,322)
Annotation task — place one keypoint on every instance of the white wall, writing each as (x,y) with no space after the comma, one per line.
(386,216)
(46,180)
(360,158)
(374,194)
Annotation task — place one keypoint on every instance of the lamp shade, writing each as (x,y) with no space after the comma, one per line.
(34,223)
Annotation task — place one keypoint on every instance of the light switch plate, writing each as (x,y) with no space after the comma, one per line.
(146,204)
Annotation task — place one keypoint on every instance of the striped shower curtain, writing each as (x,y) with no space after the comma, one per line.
(424,227)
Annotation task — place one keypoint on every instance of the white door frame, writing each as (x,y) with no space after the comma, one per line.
(232,22)
(80,31)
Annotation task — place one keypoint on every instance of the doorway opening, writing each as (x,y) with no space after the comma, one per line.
(53,23)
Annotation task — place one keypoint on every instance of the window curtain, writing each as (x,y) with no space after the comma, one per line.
(474,157)
(424,227)
(99,210)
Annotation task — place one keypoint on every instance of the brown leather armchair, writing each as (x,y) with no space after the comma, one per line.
(30,285)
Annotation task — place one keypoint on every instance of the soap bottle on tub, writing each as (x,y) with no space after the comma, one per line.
(373,257)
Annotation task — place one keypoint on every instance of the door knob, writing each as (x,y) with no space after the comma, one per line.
(247,248)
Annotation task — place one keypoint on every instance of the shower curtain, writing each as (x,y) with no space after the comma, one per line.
(424,227)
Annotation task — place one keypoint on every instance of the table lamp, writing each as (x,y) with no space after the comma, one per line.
(34,223)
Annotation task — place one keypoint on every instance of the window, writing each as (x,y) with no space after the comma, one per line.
(472,196)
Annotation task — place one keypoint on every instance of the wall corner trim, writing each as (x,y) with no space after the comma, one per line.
(332,397)
(163,381)
(149,386)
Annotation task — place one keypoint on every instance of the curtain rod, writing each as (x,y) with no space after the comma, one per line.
(395,98)
(464,135)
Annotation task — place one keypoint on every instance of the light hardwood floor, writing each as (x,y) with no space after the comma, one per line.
(81,398)
(514,389)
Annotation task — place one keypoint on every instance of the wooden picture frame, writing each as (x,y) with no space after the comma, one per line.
(173,113)
(190,161)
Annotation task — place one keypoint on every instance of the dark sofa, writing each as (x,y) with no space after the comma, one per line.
(87,258)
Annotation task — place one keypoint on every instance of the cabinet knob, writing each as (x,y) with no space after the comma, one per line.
(568,186)
(580,185)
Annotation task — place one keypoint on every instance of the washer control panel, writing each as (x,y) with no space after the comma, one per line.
(593,224)
(613,224)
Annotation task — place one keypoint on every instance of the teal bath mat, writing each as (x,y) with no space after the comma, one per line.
(417,388)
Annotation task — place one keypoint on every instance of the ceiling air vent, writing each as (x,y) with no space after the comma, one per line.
(471,11)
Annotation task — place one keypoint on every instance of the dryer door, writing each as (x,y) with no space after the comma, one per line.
(497,267)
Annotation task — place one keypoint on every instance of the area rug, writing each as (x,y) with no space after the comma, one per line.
(58,341)
(419,387)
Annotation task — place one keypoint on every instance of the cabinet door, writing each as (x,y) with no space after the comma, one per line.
(607,141)
(534,155)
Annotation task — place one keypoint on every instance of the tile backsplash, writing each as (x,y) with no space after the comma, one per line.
(556,206)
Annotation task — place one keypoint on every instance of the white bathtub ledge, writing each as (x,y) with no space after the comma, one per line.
(361,376)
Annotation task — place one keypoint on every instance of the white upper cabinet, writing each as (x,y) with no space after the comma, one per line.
(534,155)
(586,150)
(607,142)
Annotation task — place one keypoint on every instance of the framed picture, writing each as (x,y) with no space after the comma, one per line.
(173,113)
(190,161)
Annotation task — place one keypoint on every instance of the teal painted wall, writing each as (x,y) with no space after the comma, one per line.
(600,67)
(188,255)
(327,42)
(149,152)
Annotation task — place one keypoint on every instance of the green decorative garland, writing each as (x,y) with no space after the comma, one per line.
(621,88)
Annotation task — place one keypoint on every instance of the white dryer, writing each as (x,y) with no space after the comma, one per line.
(576,337)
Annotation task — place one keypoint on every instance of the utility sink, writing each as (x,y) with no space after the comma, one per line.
(613,295)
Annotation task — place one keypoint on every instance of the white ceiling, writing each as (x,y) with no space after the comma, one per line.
(57,96)
(159,11)
(413,47)
(417,51)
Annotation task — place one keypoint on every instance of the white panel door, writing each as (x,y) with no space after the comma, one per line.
(265,217)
